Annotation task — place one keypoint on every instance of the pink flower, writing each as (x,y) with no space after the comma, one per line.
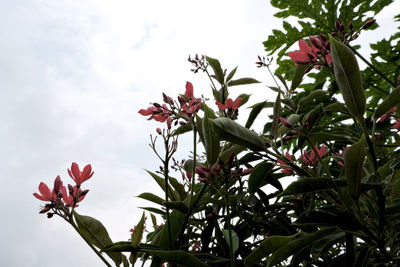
(284,167)
(317,54)
(285,122)
(75,196)
(229,104)
(396,125)
(387,115)
(189,90)
(311,159)
(78,176)
(45,193)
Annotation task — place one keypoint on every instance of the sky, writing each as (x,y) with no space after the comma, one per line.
(73,75)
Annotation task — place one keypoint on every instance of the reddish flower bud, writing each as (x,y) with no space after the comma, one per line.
(158,130)
(285,122)
(368,24)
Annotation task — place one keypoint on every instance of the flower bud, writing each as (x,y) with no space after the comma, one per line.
(368,24)
(285,122)
(158,130)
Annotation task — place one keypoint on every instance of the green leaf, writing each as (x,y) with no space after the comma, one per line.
(245,98)
(176,219)
(137,234)
(230,75)
(242,81)
(177,205)
(235,239)
(178,187)
(266,247)
(353,166)
(258,175)
(235,149)
(231,131)
(390,101)
(151,197)
(122,246)
(96,234)
(161,182)
(298,76)
(291,247)
(216,66)
(182,129)
(177,257)
(313,184)
(276,115)
(348,77)
(254,113)
(311,96)
(211,141)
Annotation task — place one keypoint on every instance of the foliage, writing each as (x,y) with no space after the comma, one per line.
(335,139)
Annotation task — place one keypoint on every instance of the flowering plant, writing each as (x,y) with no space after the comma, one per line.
(334,142)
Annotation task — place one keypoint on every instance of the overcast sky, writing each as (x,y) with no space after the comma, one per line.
(73,75)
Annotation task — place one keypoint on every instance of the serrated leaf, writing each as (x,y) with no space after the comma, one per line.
(233,132)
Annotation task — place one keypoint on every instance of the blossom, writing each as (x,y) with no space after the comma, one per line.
(75,196)
(78,176)
(285,122)
(387,115)
(45,193)
(312,159)
(284,167)
(158,113)
(396,125)
(230,107)
(317,54)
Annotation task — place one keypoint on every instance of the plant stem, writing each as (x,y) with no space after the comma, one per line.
(194,163)
(228,214)
(87,242)
(372,66)
(166,163)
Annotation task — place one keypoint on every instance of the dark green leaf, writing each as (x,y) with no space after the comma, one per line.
(266,247)
(230,75)
(96,234)
(353,165)
(211,141)
(151,197)
(390,101)
(298,76)
(258,175)
(235,239)
(216,66)
(231,131)
(276,115)
(312,185)
(254,113)
(348,77)
(177,257)
(242,81)
(137,234)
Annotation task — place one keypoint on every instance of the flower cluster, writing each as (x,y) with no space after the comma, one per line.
(308,159)
(222,169)
(348,35)
(200,63)
(230,108)
(171,111)
(58,197)
(316,55)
